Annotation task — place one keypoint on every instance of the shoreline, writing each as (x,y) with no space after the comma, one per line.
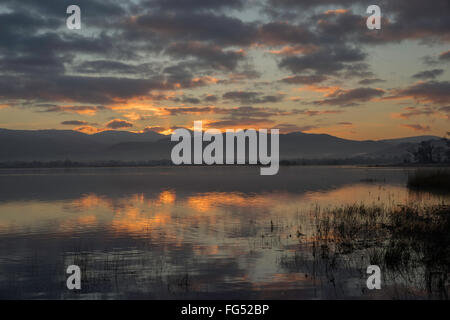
(168,163)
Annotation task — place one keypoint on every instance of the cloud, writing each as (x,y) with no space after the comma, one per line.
(311,79)
(351,97)
(119,124)
(181,26)
(429,74)
(213,55)
(249,97)
(113,67)
(289,127)
(312,113)
(291,50)
(441,58)
(86,110)
(370,81)
(437,92)
(156,129)
(327,61)
(411,112)
(445,56)
(236,112)
(174,111)
(280,33)
(88,129)
(416,127)
(242,123)
(164,51)
(74,123)
(211,98)
(104,90)
(195,5)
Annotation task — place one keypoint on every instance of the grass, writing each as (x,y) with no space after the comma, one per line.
(410,242)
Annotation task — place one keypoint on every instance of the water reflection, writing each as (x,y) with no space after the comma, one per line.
(175,233)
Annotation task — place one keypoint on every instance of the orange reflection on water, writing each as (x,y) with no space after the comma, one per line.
(361,193)
(134,220)
(90,201)
(167,197)
(205,202)
(87,220)
(202,250)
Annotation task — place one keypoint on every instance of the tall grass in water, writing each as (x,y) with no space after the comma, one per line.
(411,245)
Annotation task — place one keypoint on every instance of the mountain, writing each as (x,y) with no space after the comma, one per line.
(49,145)
(415,139)
(45,145)
(112,137)
(316,146)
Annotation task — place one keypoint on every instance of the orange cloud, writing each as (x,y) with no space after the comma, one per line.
(336,11)
(119,124)
(88,129)
(416,127)
(327,91)
(294,50)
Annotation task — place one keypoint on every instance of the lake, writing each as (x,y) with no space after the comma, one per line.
(193,232)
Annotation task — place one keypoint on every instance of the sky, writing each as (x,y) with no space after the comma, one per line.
(157,65)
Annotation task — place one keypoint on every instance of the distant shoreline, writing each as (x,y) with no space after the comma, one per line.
(168,163)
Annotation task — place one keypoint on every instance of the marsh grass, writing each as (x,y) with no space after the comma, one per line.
(411,244)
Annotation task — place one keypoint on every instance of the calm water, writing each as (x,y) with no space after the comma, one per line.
(186,232)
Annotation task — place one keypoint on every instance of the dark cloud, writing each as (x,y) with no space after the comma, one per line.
(212,55)
(410,112)
(190,100)
(277,33)
(324,62)
(243,123)
(254,112)
(428,74)
(93,11)
(211,98)
(416,127)
(290,4)
(113,67)
(33,64)
(190,110)
(119,124)
(351,97)
(414,20)
(445,56)
(432,91)
(250,97)
(311,79)
(74,123)
(219,29)
(370,81)
(436,60)
(237,112)
(103,90)
(194,5)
